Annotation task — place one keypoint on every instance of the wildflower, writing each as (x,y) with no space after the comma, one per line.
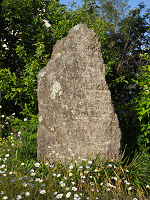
(13,114)
(115,167)
(73,183)
(2,166)
(24,184)
(49,147)
(108,189)
(72,154)
(69,150)
(89,162)
(30,180)
(53,151)
(4,174)
(91,176)
(80,167)
(74,188)
(59,196)
(25,119)
(5,197)
(67,188)
(70,174)
(86,172)
(109,165)
(126,170)
(6,122)
(130,188)
(32,185)
(95,170)
(40,181)
(147,186)
(25,177)
(10,172)
(53,174)
(68,194)
(32,174)
(135,199)
(70,167)
(22,163)
(65,178)
(7,155)
(63,184)
(54,193)
(42,185)
(57,154)
(101,184)
(42,191)
(12,181)
(37,179)
(115,178)
(84,159)
(37,164)
(2,116)
(108,184)
(75,195)
(0,106)
(19,197)
(32,170)
(19,178)
(58,175)
(2,192)
(27,194)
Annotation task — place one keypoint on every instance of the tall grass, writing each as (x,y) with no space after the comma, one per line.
(22,177)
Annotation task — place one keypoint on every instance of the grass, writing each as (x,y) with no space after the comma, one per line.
(23,178)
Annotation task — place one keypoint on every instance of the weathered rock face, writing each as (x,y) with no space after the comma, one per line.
(75,108)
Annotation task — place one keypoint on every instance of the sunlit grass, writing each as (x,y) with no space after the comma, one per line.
(21,178)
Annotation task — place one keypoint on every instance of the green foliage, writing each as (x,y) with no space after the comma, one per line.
(26,130)
(22,89)
(143,104)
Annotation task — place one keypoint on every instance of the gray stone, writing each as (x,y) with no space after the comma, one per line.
(74,101)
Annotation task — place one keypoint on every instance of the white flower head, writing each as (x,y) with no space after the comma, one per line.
(37,164)
(27,194)
(74,188)
(89,162)
(22,163)
(42,191)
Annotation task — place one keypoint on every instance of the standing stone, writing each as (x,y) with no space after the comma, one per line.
(74,101)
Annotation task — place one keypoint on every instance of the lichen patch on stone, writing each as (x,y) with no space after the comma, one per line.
(40,118)
(58,55)
(77,27)
(56,88)
(42,74)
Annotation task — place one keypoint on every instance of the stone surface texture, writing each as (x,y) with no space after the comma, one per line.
(74,101)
